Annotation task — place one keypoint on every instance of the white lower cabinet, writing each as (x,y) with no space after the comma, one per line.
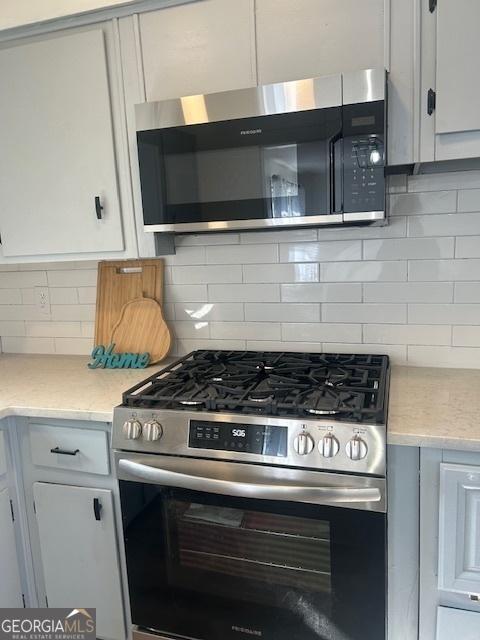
(453,624)
(79,552)
(10,586)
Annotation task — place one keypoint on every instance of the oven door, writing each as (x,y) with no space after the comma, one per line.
(243,173)
(276,554)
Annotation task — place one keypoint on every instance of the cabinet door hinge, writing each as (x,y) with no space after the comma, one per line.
(11,511)
(432,5)
(431,101)
(23,600)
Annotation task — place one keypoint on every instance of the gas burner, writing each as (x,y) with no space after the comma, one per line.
(342,386)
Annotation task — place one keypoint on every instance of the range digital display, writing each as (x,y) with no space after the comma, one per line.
(243,438)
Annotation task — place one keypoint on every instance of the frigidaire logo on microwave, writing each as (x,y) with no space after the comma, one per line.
(250,132)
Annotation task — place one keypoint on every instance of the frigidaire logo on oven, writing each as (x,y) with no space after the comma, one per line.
(250,132)
(249,632)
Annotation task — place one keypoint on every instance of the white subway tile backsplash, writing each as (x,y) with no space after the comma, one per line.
(365,313)
(408,248)
(11,296)
(469,200)
(321,292)
(20,280)
(206,274)
(203,312)
(467,292)
(28,345)
(73,312)
(72,278)
(444,313)
(467,247)
(53,329)
(281,273)
(245,330)
(267,237)
(455,357)
(186,293)
(321,332)
(408,204)
(406,334)
(443,270)
(444,181)
(396,228)
(242,254)
(408,291)
(466,336)
(281,312)
(321,251)
(63,295)
(244,292)
(447,224)
(76,346)
(371,271)
(87,295)
(12,328)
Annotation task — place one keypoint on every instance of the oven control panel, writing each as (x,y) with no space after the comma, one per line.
(267,440)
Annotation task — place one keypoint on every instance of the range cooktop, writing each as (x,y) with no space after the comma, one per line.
(349,387)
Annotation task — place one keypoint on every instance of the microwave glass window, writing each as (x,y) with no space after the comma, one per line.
(264,167)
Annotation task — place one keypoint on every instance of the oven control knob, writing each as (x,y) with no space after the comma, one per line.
(356,448)
(152,431)
(303,444)
(329,446)
(132,429)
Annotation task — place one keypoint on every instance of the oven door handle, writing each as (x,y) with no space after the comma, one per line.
(290,492)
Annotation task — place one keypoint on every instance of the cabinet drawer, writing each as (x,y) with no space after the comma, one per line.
(83,450)
(3,455)
(456,623)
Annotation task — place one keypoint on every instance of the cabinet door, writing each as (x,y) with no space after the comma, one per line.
(79,552)
(57,148)
(459,532)
(308,38)
(457,109)
(196,48)
(10,589)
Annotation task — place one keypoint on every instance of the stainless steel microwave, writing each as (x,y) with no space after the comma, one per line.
(308,152)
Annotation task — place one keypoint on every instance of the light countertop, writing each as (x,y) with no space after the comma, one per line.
(429,407)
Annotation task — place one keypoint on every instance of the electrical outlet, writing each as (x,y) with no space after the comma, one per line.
(42,300)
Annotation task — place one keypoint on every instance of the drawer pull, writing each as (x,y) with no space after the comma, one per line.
(64,452)
(97,507)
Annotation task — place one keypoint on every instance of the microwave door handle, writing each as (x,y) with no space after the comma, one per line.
(332,159)
(297,493)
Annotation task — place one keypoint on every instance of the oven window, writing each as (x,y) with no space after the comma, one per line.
(214,567)
(265,167)
(268,549)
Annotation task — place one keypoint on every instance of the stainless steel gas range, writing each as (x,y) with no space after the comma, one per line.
(253,491)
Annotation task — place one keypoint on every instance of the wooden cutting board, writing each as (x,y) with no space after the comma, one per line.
(120,281)
(141,327)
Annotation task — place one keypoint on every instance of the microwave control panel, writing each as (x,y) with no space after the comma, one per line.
(241,438)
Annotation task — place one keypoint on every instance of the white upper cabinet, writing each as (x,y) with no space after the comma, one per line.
(57,147)
(459,529)
(197,48)
(450,50)
(308,38)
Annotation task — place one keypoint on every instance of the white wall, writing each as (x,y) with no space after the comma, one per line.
(410,289)
(14,13)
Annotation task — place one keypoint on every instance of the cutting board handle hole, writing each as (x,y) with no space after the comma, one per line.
(129,270)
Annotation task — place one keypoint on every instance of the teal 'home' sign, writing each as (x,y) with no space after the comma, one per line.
(105,358)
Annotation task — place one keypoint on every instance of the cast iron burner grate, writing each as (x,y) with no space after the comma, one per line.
(284,384)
